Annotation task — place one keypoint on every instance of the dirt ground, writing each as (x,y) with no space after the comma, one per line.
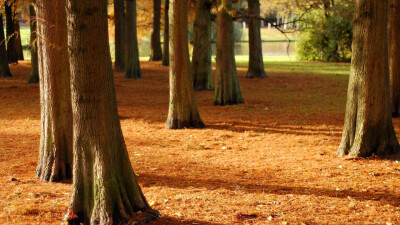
(269,161)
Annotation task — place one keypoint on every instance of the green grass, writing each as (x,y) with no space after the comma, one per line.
(269,35)
(275,64)
(289,64)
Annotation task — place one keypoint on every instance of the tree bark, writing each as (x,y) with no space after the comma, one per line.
(4,68)
(156,53)
(119,18)
(55,151)
(165,58)
(105,189)
(227,90)
(368,128)
(394,54)
(34,76)
(12,54)
(183,110)
(256,62)
(201,57)
(132,65)
(18,44)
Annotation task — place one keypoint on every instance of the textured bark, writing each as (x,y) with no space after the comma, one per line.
(18,44)
(368,127)
(183,110)
(201,57)
(156,53)
(12,54)
(105,189)
(394,54)
(256,62)
(4,68)
(132,65)
(227,90)
(119,19)
(165,58)
(55,151)
(34,76)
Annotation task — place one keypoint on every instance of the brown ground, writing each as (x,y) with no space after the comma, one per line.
(269,161)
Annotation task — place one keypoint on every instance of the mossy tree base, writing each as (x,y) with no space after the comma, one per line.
(394,54)
(256,74)
(256,63)
(368,128)
(227,90)
(105,188)
(132,64)
(183,112)
(155,45)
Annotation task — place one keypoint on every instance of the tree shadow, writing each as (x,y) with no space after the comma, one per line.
(167,220)
(180,182)
(266,128)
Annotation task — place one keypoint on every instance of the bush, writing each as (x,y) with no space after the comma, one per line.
(327,37)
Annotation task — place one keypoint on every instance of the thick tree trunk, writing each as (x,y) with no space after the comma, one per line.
(165,58)
(4,68)
(156,53)
(18,43)
(55,151)
(119,19)
(183,110)
(105,189)
(368,127)
(394,54)
(201,57)
(227,90)
(132,65)
(256,62)
(12,53)
(34,76)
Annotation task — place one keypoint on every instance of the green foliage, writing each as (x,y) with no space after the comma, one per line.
(326,35)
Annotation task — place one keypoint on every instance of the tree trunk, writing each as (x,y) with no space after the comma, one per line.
(132,65)
(34,76)
(55,151)
(165,58)
(119,19)
(156,53)
(105,189)
(227,90)
(183,110)
(4,68)
(12,54)
(18,44)
(256,62)
(368,128)
(394,54)
(201,57)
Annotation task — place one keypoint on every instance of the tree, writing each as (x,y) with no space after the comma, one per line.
(132,65)
(119,20)
(55,151)
(183,110)
(18,44)
(4,68)
(201,57)
(156,53)
(12,53)
(256,62)
(34,76)
(165,58)
(227,90)
(368,127)
(394,54)
(105,189)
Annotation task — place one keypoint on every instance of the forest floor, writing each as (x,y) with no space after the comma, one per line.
(268,161)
